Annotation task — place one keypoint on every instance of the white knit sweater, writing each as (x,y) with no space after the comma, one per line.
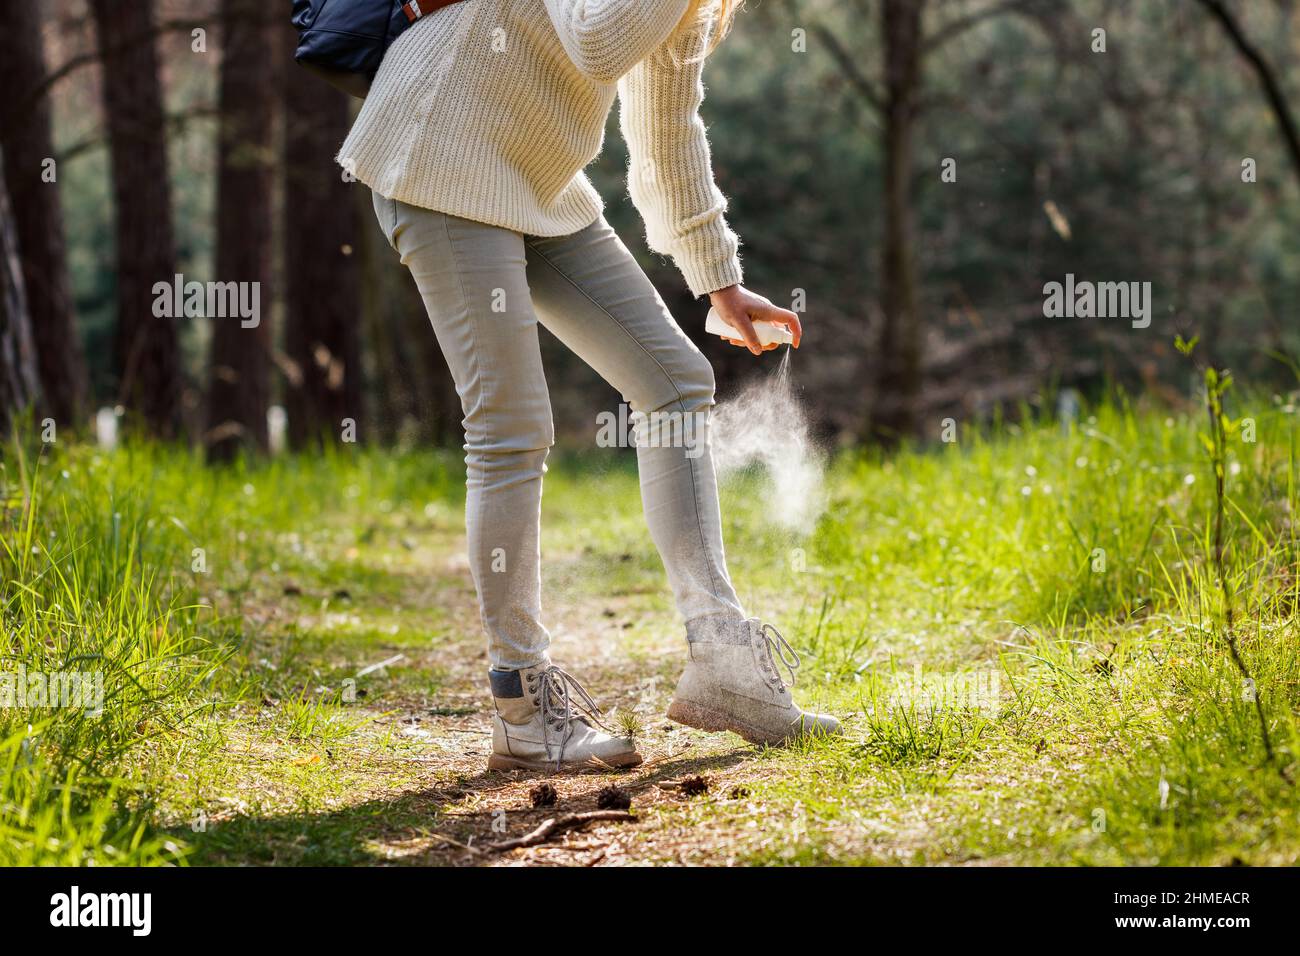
(490,110)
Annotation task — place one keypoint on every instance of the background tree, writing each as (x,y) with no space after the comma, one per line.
(239,387)
(19,382)
(322,270)
(894,106)
(146,351)
(25,136)
(901,331)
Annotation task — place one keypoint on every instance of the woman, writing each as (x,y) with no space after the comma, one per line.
(473,139)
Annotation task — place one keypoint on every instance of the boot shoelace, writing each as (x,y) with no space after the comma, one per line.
(556,691)
(778,649)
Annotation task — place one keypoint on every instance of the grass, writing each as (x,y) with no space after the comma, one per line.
(1023,627)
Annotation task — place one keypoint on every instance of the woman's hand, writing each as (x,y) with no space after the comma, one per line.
(740,309)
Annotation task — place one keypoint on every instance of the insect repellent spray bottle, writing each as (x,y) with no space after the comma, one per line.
(767,333)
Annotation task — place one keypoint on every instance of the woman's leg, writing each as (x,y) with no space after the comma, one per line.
(472,279)
(589,291)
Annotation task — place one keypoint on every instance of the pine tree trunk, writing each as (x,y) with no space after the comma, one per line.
(899,385)
(38,217)
(145,347)
(19,382)
(322,267)
(240,360)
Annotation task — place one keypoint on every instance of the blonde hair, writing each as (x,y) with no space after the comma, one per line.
(721,12)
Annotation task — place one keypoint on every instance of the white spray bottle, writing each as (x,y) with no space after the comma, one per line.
(768,334)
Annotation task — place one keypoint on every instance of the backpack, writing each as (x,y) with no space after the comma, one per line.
(344,41)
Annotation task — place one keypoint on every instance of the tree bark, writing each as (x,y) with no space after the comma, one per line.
(240,360)
(321,264)
(146,350)
(38,216)
(899,383)
(19,381)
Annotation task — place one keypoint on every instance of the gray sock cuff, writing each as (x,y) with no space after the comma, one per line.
(717,629)
(506,684)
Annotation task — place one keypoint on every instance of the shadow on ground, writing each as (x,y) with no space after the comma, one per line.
(450,824)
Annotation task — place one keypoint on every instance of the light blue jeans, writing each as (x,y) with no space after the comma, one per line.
(486,288)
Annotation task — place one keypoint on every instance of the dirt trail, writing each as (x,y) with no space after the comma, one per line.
(463,807)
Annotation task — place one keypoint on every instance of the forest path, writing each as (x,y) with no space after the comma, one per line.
(400,775)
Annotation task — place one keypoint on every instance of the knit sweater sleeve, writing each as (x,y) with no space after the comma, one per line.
(606,38)
(670,176)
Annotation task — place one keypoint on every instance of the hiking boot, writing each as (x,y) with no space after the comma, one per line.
(545,720)
(735,684)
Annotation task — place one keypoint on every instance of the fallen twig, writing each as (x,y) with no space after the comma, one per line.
(446,839)
(371,668)
(556,826)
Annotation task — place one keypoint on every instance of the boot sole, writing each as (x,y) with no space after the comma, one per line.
(503,762)
(706,718)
